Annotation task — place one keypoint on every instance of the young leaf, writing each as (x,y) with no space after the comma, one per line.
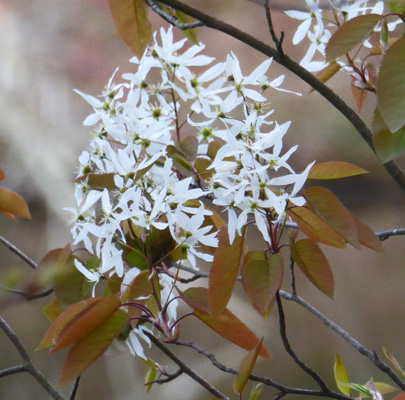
(328,72)
(359,95)
(400,396)
(394,361)
(341,375)
(388,145)
(2,175)
(190,34)
(150,378)
(246,369)
(87,322)
(384,388)
(315,227)
(314,265)
(262,275)
(391,86)
(226,324)
(224,271)
(12,205)
(64,320)
(86,351)
(350,34)
(53,310)
(367,237)
(189,145)
(334,170)
(98,181)
(232,329)
(255,392)
(327,206)
(131,20)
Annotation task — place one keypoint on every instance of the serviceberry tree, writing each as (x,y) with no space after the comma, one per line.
(185,161)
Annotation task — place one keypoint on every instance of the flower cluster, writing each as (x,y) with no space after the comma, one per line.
(318,28)
(168,146)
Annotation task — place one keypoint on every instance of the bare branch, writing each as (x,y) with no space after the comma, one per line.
(13,370)
(172,20)
(284,390)
(28,365)
(187,370)
(75,387)
(28,296)
(19,253)
(371,355)
(384,235)
(391,167)
(278,42)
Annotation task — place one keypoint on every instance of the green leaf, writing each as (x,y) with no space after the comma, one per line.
(190,34)
(326,205)
(262,275)
(12,205)
(98,181)
(246,369)
(255,392)
(391,86)
(341,375)
(394,361)
(131,20)
(396,6)
(315,227)
(313,263)
(351,34)
(225,270)
(178,157)
(384,388)
(334,170)
(388,145)
(86,351)
(53,310)
(150,378)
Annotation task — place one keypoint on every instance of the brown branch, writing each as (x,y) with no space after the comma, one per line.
(19,253)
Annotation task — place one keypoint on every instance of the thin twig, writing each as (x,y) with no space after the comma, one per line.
(391,167)
(278,42)
(293,286)
(13,370)
(371,355)
(169,378)
(283,333)
(75,387)
(172,20)
(384,235)
(27,363)
(262,379)
(186,369)
(19,253)
(28,296)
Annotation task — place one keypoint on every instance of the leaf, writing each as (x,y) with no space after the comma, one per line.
(400,396)
(396,6)
(367,237)
(315,227)
(53,310)
(225,270)
(359,95)
(98,181)
(12,205)
(230,327)
(384,388)
(391,86)
(131,21)
(388,145)
(328,73)
(2,175)
(262,275)
(87,322)
(351,34)
(64,320)
(150,378)
(246,369)
(190,146)
(334,170)
(327,206)
(85,352)
(394,361)
(178,157)
(138,288)
(255,392)
(226,324)
(314,265)
(190,34)
(341,375)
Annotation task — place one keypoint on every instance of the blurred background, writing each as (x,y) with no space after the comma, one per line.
(48,49)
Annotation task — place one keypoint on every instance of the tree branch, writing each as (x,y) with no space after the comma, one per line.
(256,378)
(27,365)
(19,253)
(187,370)
(371,355)
(384,235)
(391,167)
